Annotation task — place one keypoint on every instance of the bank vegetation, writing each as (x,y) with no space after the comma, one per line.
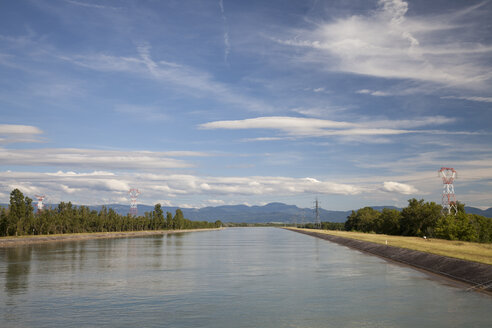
(418,219)
(20,219)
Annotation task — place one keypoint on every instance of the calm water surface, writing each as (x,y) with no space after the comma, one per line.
(245,277)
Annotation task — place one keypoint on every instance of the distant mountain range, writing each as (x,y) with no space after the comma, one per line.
(473,210)
(273,212)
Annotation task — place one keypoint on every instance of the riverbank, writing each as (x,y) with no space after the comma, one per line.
(475,252)
(476,275)
(27,240)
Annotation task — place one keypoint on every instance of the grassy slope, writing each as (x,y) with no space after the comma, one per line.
(459,249)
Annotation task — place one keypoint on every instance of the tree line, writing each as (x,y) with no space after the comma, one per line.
(324,225)
(20,219)
(420,219)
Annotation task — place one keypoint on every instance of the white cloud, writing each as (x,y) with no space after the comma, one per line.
(267,139)
(321,112)
(14,133)
(26,187)
(290,125)
(70,190)
(313,127)
(111,187)
(94,159)
(400,188)
(215,202)
(74,174)
(19,129)
(412,123)
(373,93)
(90,188)
(471,98)
(388,43)
(259,185)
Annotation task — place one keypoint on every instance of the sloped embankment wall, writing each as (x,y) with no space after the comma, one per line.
(475,274)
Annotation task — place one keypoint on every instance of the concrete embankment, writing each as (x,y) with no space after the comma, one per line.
(26,240)
(477,275)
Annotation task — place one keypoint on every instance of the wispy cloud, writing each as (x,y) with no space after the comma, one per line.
(94,159)
(313,127)
(412,123)
(471,98)
(186,79)
(227,45)
(388,43)
(84,4)
(373,93)
(19,129)
(13,133)
(284,123)
(88,5)
(400,188)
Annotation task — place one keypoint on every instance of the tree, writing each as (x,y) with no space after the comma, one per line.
(365,219)
(17,210)
(389,221)
(20,218)
(169,220)
(178,219)
(4,221)
(419,218)
(464,227)
(483,226)
(460,207)
(351,222)
(158,217)
(446,228)
(29,226)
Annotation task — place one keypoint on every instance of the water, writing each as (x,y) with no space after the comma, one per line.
(245,277)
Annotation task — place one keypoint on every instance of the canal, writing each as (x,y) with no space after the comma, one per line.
(238,277)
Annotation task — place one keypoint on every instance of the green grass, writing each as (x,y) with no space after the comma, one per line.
(475,252)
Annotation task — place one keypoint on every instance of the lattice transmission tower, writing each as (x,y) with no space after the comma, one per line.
(40,204)
(448,175)
(133,201)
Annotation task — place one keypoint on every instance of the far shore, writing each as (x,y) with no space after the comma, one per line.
(39,239)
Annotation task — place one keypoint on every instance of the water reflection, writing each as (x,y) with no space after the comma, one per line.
(157,244)
(18,260)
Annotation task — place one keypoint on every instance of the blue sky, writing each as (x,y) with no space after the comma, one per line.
(205,103)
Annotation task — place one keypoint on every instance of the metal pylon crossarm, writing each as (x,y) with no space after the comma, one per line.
(448,175)
(133,201)
(40,204)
